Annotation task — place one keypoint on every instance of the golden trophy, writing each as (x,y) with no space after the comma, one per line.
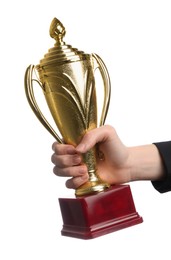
(68,81)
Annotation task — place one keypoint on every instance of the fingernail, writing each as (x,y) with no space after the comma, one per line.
(81,148)
(82,170)
(77,159)
(84,177)
(71,150)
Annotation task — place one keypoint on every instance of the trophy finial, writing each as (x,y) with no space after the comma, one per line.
(57,30)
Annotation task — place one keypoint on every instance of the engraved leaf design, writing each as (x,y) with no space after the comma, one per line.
(89,97)
(66,83)
(86,111)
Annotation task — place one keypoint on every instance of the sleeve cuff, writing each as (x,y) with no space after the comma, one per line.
(164,149)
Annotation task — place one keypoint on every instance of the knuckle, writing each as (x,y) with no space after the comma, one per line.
(54,146)
(69,184)
(53,158)
(55,171)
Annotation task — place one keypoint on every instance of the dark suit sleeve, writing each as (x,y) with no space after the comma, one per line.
(164,149)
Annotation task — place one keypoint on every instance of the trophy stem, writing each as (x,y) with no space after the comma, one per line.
(94,184)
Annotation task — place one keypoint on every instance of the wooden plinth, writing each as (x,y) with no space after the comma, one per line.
(96,215)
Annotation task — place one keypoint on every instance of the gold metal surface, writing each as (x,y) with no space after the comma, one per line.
(67,78)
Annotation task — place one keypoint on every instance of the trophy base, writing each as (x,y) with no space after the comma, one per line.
(96,215)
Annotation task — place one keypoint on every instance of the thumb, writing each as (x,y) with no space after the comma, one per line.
(92,137)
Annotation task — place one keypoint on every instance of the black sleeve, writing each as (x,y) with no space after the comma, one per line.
(164,149)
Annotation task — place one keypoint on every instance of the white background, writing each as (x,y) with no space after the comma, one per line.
(134,40)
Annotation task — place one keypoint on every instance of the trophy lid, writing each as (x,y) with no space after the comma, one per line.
(60,53)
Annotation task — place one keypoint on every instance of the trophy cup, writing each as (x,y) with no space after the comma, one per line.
(67,78)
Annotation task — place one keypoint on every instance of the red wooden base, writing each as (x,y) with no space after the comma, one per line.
(96,215)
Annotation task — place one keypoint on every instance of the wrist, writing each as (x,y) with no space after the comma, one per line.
(145,163)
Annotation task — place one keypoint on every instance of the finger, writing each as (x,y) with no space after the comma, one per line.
(62,149)
(74,183)
(66,160)
(75,171)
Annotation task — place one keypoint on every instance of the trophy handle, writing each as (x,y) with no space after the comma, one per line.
(32,101)
(107,86)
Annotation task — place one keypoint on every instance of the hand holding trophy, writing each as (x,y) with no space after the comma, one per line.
(67,78)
